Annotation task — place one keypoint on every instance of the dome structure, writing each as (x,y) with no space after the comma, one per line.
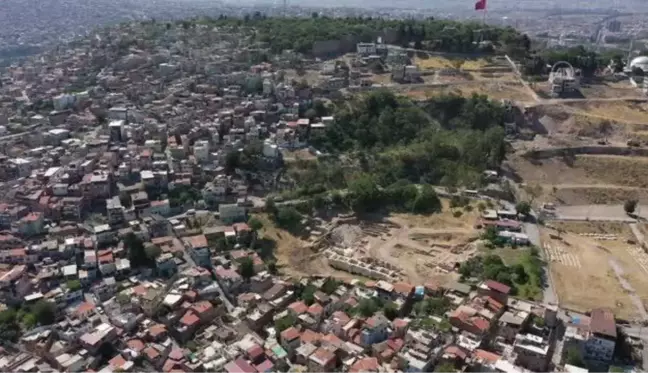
(640,62)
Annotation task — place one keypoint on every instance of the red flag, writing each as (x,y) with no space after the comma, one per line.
(480,5)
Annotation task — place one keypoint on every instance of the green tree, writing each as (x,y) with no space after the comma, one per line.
(122,298)
(136,253)
(246,267)
(427,201)
(73,285)
(288,217)
(9,325)
(390,311)
(367,307)
(285,323)
(152,252)
(445,368)
(365,195)
(523,208)
(255,223)
(630,206)
(271,206)
(272,267)
(330,285)
(308,295)
(45,312)
(574,357)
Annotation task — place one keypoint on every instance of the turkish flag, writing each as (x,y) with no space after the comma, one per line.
(480,5)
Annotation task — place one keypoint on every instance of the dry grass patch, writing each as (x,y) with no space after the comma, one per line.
(630,112)
(593,283)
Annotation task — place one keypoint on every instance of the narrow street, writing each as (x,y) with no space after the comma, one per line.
(533,233)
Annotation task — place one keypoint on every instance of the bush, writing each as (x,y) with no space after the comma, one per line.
(457,213)
(630,206)
(73,285)
(288,217)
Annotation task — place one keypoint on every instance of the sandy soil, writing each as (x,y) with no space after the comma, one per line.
(496,90)
(583,277)
(294,258)
(584,170)
(579,288)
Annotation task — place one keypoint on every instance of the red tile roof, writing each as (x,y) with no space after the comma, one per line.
(151,353)
(400,323)
(255,351)
(403,288)
(135,345)
(395,344)
(290,334)
(189,319)
(176,354)
(265,366)
(84,308)
(480,323)
(309,336)
(342,316)
(498,286)
(315,309)
(298,307)
(117,361)
(243,367)
(484,355)
(368,364)
(456,351)
(202,307)
(322,356)
(602,322)
(157,330)
(196,242)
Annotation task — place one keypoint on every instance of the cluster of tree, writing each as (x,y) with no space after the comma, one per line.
(368,307)
(574,356)
(285,323)
(286,217)
(588,61)
(365,194)
(246,267)
(248,159)
(301,34)
(524,278)
(14,321)
(183,194)
(432,306)
(448,140)
(139,254)
(492,237)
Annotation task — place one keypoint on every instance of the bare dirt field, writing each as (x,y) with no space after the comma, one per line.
(294,257)
(583,272)
(620,111)
(586,179)
(439,62)
(494,89)
(610,89)
(424,246)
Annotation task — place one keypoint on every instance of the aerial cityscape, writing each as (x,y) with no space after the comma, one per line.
(408,186)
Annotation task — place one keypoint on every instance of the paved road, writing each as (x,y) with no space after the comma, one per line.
(596,213)
(532,231)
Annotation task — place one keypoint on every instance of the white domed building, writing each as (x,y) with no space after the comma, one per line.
(638,80)
(640,62)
